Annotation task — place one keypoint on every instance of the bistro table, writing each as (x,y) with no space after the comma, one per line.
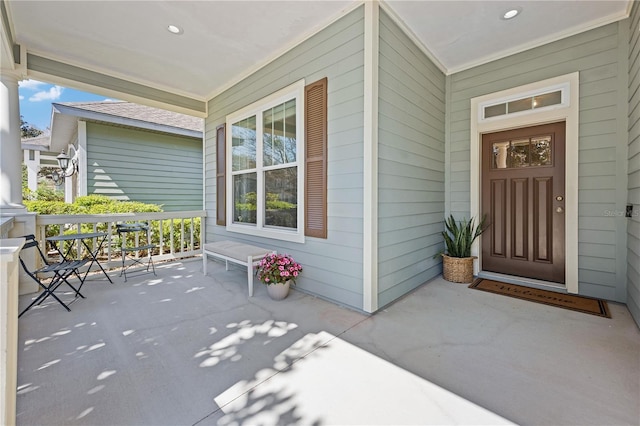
(58,243)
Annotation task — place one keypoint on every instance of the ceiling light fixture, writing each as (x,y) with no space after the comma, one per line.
(511,13)
(174,29)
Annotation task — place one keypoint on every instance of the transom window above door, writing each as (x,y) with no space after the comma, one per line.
(556,96)
(265,183)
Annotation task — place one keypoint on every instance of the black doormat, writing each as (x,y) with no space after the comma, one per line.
(587,305)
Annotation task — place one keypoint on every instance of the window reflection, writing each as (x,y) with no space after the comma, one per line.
(279,134)
(541,151)
(245,198)
(520,153)
(243,147)
(281,193)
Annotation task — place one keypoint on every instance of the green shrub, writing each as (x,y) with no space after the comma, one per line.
(45,193)
(54,207)
(92,200)
(124,207)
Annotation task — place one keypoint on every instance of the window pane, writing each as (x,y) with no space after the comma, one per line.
(495,110)
(520,105)
(244,198)
(279,135)
(547,99)
(281,193)
(500,155)
(541,151)
(243,149)
(520,153)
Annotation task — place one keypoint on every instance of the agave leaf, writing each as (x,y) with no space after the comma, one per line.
(459,236)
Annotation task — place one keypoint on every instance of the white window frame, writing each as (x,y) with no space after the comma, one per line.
(294,91)
(563,88)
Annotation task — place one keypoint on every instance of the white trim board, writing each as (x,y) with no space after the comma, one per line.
(568,114)
(370,201)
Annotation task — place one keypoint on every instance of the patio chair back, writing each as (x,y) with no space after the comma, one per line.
(61,271)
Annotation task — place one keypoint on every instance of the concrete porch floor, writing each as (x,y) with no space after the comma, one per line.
(185,349)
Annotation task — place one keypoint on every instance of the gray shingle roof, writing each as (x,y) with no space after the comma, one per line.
(140,112)
(39,143)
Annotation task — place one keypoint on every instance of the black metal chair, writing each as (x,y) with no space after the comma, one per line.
(61,272)
(131,250)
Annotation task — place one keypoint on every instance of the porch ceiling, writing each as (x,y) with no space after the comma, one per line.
(225,40)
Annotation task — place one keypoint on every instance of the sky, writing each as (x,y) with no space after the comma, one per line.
(36,98)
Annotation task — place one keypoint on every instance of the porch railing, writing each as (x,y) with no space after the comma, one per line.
(177,234)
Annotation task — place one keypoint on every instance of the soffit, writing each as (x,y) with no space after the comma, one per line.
(226,40)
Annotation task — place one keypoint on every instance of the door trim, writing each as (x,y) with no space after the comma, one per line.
(570,115)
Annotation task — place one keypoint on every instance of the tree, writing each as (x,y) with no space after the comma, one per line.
(27,130)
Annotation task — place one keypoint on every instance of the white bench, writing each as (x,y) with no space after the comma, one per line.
(242,254)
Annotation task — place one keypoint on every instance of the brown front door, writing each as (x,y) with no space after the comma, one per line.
(523,199)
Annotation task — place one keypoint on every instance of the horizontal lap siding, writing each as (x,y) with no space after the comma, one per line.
(135,165)
(633,230)
(411,164)
(332,266)
(596,54)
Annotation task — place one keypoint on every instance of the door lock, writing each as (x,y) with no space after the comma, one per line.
(559,198)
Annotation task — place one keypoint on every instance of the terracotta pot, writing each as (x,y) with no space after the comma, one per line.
(278,291)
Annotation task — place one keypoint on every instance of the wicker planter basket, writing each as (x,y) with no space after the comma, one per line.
(457,269)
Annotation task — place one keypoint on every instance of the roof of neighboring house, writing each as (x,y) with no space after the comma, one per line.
(38,143)
(139,112)
(65,117)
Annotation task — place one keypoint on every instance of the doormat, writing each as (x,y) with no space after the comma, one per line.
(561,300)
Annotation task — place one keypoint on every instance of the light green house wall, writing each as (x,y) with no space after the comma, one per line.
(332,266)
(633,230)
(424,154)
(410,164)
(600,57)
(149,167)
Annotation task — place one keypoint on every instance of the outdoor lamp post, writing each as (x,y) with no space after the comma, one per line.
(63,162)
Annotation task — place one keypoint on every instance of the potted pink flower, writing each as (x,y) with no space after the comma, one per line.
(278,271)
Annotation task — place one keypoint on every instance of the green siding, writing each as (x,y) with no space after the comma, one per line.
(410,164)
(600,57)
(143,166)
(332,267)
(633,225)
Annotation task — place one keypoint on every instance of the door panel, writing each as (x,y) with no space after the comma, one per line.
(542,220)
(523,198)
(520,222)
(498,216)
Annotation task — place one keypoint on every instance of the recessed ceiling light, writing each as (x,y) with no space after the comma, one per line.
(511,13)
(174,29)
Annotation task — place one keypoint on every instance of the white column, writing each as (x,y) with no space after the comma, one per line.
(68,189)
(10,149)
(83,174)
(32,168)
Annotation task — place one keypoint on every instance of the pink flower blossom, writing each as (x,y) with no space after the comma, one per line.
(277,268)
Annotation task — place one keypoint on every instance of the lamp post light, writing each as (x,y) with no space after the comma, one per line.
(63,162)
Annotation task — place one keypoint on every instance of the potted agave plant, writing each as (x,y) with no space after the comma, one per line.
(278,272)
(457,263)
